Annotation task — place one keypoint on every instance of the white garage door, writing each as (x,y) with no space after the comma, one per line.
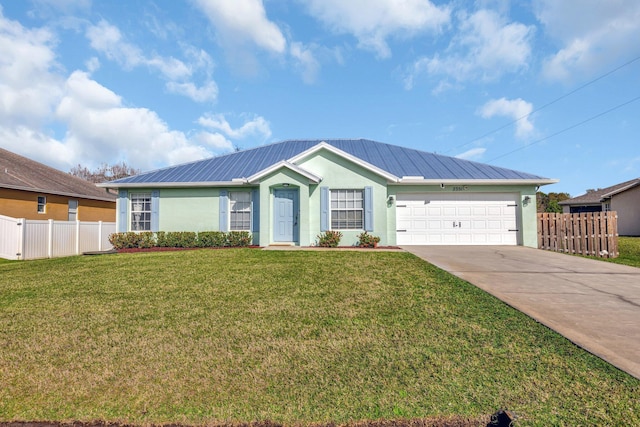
(457,219)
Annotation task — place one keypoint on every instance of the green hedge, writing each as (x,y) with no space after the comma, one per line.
(180,239)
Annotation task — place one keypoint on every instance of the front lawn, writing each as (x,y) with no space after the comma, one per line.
(289,336)
(629,248)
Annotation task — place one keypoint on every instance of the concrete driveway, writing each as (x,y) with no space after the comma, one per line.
(594,304)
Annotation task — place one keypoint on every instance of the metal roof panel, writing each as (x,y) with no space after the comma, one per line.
(395,160)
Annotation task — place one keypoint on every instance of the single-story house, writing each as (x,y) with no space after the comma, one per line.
(290,192)
(32,190)
(624,198)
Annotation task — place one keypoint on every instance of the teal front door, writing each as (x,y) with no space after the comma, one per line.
(285,215)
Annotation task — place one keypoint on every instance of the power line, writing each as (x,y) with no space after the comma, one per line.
(568,128)
(547,104)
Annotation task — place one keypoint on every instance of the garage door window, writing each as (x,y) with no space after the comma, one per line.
(347,209)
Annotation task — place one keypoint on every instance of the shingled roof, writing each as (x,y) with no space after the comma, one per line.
(392,161)
(21,173)
(598,196)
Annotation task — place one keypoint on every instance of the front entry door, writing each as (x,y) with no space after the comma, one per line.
(285,215)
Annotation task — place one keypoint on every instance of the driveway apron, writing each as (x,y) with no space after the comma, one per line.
(595,304)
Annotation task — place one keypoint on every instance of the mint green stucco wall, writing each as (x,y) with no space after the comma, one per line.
(189,209)
(340,173)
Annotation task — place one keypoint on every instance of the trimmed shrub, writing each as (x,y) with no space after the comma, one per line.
(239,238)
(180,239)
(366,240)
(161,239)
(124,240)
(146,239)
(212,239)
(329,239)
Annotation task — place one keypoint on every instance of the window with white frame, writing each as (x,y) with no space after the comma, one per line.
(606,207)
(347,209)
(73,210)
(42,204)
(140,211)
(239,210)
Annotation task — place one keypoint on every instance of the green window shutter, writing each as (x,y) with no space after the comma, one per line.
(155,210)
(224,211)
(123,206)
(324,209)
(255,209)
(368,208)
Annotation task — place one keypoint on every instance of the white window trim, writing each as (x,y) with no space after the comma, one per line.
(331,209)
(232,211)
(133,196)
(43,204)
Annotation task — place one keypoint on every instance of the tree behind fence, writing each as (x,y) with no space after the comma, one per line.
(591,234)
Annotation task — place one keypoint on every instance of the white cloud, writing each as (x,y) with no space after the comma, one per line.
(305,61)
(593,34)
(242,21)
(107,39)
(516,109)
(473,154)
(28,87)
(255,127)
(208,92)
(96,126)
(100,127)
(486,47)
(215,140)
(372,22)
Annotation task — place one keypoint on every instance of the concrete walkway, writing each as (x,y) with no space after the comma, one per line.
(594,304)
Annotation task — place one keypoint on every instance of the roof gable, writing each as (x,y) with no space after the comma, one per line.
(20,173)
(599,195)
(391,161)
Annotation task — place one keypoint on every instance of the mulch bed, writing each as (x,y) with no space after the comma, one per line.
(163,249)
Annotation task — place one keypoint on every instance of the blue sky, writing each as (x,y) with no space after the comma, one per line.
(548,87)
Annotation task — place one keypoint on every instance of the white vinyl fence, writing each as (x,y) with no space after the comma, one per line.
(32,239)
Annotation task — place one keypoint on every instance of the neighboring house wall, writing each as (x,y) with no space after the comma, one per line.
(24,204)
(627,205)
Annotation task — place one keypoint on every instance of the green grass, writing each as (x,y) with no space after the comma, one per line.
(629,248)
(293,337)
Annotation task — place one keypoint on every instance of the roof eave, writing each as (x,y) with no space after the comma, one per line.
(541,181)
(233,183)
(57,193)
(619,190)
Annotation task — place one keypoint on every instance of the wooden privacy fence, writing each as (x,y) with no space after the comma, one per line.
(592,233)
(31,239)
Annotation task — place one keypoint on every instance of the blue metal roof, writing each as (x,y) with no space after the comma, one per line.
(393,159)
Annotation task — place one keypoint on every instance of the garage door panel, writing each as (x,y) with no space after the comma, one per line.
(464,219)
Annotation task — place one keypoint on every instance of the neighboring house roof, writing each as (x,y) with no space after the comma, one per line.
(394,163)
(21,173)
(601,194)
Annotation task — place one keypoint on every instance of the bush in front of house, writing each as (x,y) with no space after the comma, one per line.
(366,240)
(238,239)
(212,239)
(132,239)
(179,239)
(329,239)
